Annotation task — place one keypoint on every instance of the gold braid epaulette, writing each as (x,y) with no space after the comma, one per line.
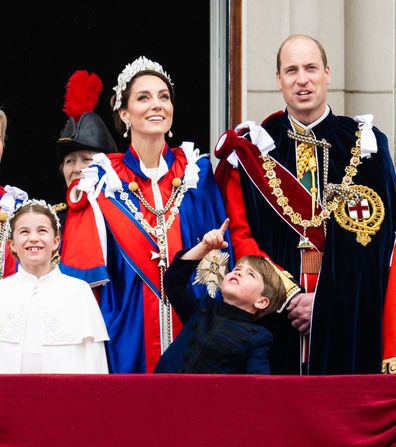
(287,279)
(290,286)
(389,366)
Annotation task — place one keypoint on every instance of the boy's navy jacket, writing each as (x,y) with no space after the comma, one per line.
(217,338)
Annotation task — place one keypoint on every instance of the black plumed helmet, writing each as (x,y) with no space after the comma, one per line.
(84,129)
(90,133)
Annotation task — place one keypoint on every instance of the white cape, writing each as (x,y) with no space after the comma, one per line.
(67,320)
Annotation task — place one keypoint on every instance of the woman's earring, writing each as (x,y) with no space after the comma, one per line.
(14,254)
(55,258)
(170,134)
(128,126)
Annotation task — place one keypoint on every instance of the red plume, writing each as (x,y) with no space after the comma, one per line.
(82,93)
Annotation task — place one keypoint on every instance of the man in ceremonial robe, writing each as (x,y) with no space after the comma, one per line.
(316,193)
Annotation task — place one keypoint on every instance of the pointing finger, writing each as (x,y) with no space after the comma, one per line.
(224,225)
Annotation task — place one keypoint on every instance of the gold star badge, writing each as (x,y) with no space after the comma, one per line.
(211,271)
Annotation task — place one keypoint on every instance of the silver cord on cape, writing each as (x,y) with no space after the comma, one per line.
(308,139)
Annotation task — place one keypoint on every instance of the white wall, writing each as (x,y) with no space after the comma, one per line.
(358,36)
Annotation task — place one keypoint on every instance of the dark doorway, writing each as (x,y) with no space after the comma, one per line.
(41,49)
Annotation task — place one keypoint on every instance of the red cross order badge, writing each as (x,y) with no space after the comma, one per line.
(359,210)
(363,217)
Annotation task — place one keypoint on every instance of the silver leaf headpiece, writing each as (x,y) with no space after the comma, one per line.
(31,202)
(131,70)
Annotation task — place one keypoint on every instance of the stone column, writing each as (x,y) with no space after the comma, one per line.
(369,66)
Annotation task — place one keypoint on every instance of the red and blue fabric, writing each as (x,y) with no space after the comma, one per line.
(130,300)
(10,265)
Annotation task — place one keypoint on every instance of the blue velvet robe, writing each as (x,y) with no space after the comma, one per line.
(347,312)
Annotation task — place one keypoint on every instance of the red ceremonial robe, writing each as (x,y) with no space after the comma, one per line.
(389,328)
(8,261)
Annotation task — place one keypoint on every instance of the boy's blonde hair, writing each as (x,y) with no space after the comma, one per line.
(273,285)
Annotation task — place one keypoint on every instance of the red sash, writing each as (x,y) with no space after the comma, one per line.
(81,250)
(125,229)
(300,199)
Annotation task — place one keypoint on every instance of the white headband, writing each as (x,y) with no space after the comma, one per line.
(31,202)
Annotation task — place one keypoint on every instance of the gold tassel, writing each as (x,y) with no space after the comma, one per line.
(290,286)
(389,366)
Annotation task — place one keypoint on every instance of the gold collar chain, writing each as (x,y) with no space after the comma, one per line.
(159,231)
(328,205)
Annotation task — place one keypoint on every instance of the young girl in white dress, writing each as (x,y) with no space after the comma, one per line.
(49,322)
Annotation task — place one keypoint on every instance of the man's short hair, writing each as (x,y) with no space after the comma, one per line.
(294,36)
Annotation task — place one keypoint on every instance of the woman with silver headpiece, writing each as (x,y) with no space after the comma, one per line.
(145,205)
(49,322)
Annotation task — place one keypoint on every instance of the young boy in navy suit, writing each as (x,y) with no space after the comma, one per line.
(221,336)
